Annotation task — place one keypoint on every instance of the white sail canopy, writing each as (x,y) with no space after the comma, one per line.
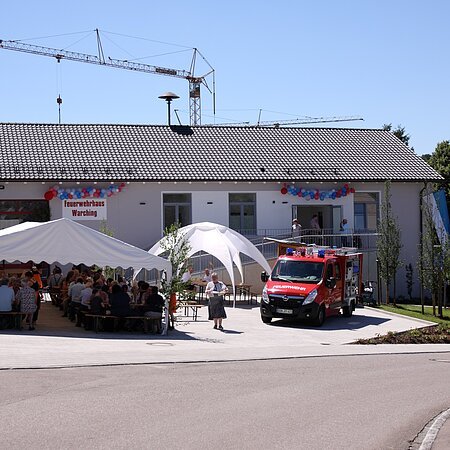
(220,241)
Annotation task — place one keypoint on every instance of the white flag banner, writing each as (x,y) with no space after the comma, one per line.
(84,209)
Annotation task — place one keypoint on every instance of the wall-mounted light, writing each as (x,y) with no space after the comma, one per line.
(209,203)
(142,203)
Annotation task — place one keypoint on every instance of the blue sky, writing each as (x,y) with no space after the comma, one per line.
(386,61)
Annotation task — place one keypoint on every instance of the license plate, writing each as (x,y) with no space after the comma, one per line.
(284,311)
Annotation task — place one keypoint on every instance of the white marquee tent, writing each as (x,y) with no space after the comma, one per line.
(220,241)
(68,242)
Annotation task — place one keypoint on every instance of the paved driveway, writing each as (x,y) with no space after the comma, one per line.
(57,343)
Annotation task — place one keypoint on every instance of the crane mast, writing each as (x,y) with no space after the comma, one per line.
(194,82)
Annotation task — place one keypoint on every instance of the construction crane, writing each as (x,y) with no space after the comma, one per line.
(304,121)
(194,81)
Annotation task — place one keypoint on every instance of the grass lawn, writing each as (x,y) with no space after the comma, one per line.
(416,311)
(436,334)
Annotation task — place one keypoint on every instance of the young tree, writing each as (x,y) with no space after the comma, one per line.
(434,259)
(109,272)
(176,248)
(388,244)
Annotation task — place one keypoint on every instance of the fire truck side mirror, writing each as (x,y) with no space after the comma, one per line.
(264,276)
(330,283)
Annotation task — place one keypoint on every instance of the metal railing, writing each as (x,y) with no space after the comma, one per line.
(363,240)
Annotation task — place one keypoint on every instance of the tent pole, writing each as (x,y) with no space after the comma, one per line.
(166,317)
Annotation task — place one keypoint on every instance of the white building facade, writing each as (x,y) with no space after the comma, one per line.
(137,180)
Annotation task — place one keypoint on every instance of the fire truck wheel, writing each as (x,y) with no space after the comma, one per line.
(266,319)
(320,319)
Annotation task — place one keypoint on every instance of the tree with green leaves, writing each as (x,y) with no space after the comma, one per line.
(399,132)
(440,161)
(434,258)
(176,247)
(388,244)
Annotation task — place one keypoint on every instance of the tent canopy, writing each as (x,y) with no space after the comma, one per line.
(65,241)
(220,241)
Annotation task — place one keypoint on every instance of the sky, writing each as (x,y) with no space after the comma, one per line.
(386,61)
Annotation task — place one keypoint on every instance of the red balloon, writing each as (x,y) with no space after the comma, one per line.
(316,196)
(49,195)
(70,196)
(284,191)
(352,190)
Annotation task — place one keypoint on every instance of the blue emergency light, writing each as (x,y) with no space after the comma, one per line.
(289,251)
(321,253)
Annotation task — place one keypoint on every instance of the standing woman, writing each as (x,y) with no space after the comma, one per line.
(28,301)
(215,290)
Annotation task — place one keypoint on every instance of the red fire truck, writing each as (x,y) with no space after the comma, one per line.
(311,283)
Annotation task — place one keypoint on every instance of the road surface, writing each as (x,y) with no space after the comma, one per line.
(342,402)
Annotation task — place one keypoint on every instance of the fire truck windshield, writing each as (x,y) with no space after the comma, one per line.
(301,271)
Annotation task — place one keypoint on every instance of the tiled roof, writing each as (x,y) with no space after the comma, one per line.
(159,153)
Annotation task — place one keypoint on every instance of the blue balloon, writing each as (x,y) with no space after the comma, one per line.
(333,195)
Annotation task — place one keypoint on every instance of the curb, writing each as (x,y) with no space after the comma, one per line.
(433,431)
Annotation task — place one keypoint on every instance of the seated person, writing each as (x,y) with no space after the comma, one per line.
(96,304)
(153,308)
(120,302)
(186,278)
(7,296)
(207,276)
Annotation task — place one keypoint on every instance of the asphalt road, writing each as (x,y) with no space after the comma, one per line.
(350,402)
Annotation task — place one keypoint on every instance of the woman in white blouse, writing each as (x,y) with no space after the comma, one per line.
(216,290)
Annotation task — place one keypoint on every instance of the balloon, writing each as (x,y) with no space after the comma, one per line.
(48,195)
(284,191)
(316,196)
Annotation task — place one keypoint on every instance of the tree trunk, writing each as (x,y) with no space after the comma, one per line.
(394,300)
(387,293)
(422,299)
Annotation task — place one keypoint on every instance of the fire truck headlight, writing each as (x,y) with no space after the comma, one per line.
(265,296)
(311,297)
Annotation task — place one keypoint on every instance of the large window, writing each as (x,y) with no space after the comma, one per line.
(177,209)
(13,212)
(366,205)
(242,212)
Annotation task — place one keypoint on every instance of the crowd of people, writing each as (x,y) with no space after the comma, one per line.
(81,293)
(84,293)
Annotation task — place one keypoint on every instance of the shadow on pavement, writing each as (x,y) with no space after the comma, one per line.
(334,323)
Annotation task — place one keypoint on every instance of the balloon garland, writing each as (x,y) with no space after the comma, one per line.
(85,192)
(316,194)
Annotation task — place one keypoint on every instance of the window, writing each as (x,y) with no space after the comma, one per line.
(13,212)
(360,216)
(329,270)
(242,209)
(337,271)
(366,207)
(177,209)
